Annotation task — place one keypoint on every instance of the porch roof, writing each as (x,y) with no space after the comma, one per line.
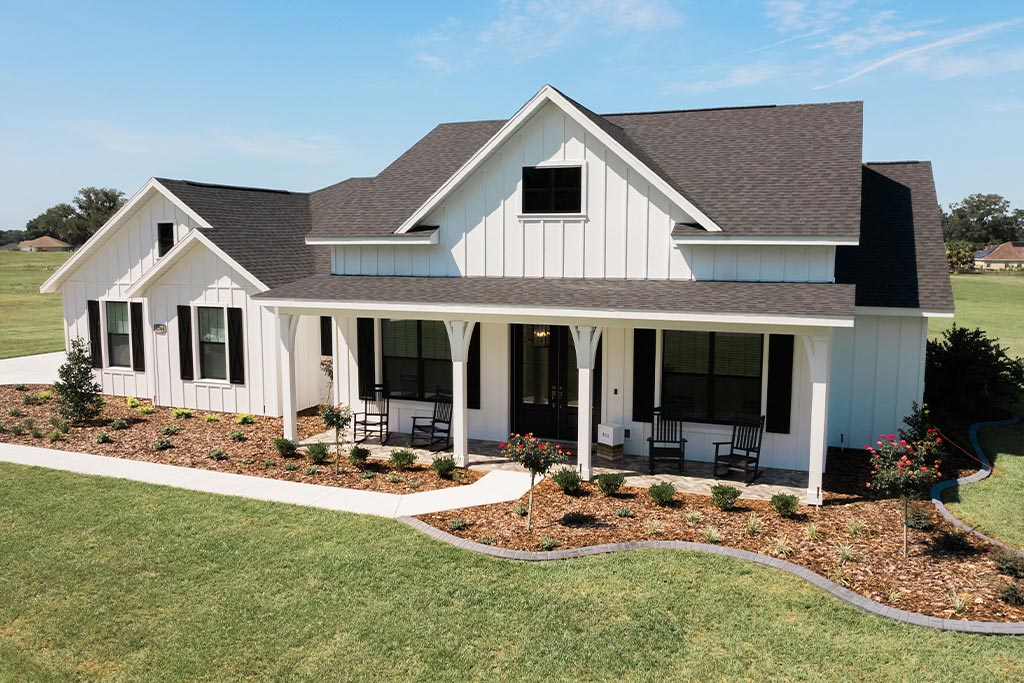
(795,303)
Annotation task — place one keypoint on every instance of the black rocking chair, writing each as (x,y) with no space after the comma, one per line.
(374,418)
(744,450)
(666,443)
(436,428)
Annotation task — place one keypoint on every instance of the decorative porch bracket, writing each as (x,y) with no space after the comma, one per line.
(586,339)
(818,349)
(460,334)
(287,324)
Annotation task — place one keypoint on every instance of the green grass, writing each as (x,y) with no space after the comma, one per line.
(995,303)
(994,505)
(32,322)
(102,579)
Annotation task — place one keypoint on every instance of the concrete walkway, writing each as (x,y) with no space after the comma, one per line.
(494,487)
(38,369)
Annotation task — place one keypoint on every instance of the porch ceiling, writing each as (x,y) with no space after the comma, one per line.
(779,303)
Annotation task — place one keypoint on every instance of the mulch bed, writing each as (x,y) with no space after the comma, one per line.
(254,456)
(940,559)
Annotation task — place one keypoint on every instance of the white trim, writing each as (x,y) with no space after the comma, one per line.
(544,95)
(197,368)
(178,251)
(902,312)
(780,241)
(105,338)
(524,217)
(152,187)
(407,238)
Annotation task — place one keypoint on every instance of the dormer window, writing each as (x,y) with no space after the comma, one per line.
(552,189)
(164,238)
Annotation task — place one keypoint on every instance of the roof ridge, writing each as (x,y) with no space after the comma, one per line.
(247,188)
(736,107)
(892,163)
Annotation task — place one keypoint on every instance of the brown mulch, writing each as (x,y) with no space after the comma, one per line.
(920,582)
(255,456)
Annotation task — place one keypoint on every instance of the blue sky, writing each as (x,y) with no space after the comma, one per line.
(302,95)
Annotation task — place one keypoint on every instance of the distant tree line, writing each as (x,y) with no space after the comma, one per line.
(977,222)
(73,222)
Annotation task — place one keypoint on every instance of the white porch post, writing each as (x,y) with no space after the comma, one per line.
(286,325)
(586,338)
(460,334)
(818,350)
(378,352)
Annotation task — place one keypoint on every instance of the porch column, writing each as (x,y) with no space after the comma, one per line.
(460,333)
(286,326)
(378,352)
(586,338)
(818,349)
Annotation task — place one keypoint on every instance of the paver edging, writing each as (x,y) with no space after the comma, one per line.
(846,595)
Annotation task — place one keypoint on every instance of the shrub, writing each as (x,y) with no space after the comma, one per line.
(784,504)
(312,470)
(402,458)
(414,484)
(536,456)
(31,399)
(953,542)
(693,517)
(444,466)
(3,428)
(291,466)
(78,392)
(217,454)
(958,601)
(119,423)
(968,374)
(1012,594)
(132,402)
(284,447)
(146,410)
(162,444)
(104,437)
(662,493)
(182,413)
(724,497)
(569,481)
(268,463)
(15,412)
(59,424)
(55,435)
(780,547)
(210,417)
(169,430)
(458,524)
(367,474)
(358,456)
(44,395)
(317,453)
(609,483)
(36,433)
(811,533)
(520,510)
(21,387)
(237,436)
(856,528)
(245,419)
(1009,563)
(905,469)
(547,543)
(845,552)
(653,528)
(753,525)
(488,540)
(711,535)
(17,429)
(395,479)
(625,512)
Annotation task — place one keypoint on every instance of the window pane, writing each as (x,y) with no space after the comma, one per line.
(737,398)
(685,396)
(212,360)
(117,317)
(399,338)
(437,374)
(686,351)
(536,178)
(536,201)
(536,364)
(211,325)
(435,341)
(738,354)
(566,178)
(119,352)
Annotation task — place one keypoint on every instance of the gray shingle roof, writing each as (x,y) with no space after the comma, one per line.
(901,260)
(636,295)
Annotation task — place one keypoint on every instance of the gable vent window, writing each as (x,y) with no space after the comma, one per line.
(556,189)
(164,238)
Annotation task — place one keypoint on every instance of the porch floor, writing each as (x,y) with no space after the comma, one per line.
(486,456)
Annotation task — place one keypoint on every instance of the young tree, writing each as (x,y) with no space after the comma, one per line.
(337,418)
(78,393)
(960,256)
(968,374)
(536,456)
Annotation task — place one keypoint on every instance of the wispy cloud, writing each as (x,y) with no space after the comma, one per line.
(796,15)
(740,76)
(878,31)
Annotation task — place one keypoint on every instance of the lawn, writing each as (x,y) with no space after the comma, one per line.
(32,322)
(102,579)
(995,303)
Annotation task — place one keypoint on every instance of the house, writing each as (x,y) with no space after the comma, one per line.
(44,243)
(1008,255)
(718,263)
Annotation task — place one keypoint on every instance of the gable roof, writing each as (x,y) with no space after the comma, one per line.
(1007,251)
(901,260)
(44,241)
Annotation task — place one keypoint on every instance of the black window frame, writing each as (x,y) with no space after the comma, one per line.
(422,392)
(109,337)
(710,375)
(164,241)
(545,198)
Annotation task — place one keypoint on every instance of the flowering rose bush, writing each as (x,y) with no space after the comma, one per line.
(905,469)
(536,456)
(337,418)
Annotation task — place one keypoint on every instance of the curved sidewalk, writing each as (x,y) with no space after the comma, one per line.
(494,487)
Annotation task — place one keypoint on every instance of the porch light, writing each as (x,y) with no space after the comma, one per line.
(541,336)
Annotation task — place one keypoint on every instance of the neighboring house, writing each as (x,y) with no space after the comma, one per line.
(44,243)
(1008,255)
(720,263)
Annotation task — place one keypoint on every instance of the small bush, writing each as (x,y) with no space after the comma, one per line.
(625,512)
(245,419)
(36,433)
(217,454)
(569,481)
(55,435)
(237,436)
(169,430)
(3,428)
(104,437)
(662,493)
(693,517)
(402,459)
(784,504)
(31,399)
(132,402)
(15,412)
(268,463)
(654,528)
(918,517)
(317,453)
(458,524)
(358,456)
(1009,563)
(284,447)
(958,601)
(21,387)
(444,466)
(291,466)
(414,484)
(367,474)
(59,424)
(395,479)
(547,543)
(210,417)
(146,410)
(44,395)
(753,525)
(845,552)
(17,429)
(162,444)
(312,470)
(780,547)
(119,423)
(1012,594)
(724,497)
(856,528)
(181,413)
(711,535)
(520,510)
(609,483)
(488,540)
(811,533)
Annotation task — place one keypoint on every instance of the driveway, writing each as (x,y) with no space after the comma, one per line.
(38,369)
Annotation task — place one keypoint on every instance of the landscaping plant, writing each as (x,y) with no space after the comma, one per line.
(724,497)
(182,413)
(317,453)
(402,458)
(337,418)
(662,493)
(569,481)
(284,447)
(444,466)
(358,456)
(78,392)
(968,373)
(609,483)
(536,456)
(785,504)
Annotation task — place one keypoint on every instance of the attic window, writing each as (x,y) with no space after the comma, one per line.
(556,189)
(164,238)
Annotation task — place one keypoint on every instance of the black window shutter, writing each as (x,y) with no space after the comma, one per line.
(138,341)
(473,370)
(95,337)
(365,357)
(236,347)
(185,342)
(326,336)
(780,383)
(644,342)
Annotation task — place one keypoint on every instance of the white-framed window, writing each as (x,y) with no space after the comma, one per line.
(118,334)
(212,337)
(552,189)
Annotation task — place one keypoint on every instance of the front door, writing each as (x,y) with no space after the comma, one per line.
(545,382)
